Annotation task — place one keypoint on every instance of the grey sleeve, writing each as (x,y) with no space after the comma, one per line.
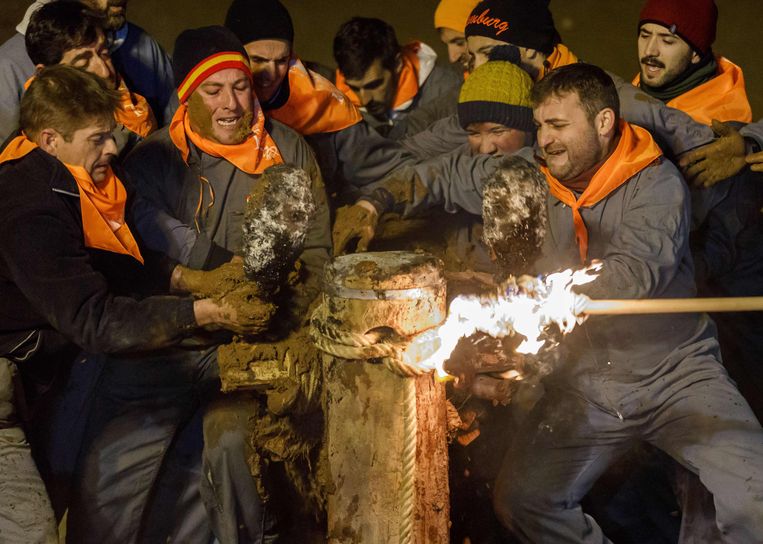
(317,244)
(645,253)
(675,131)
(450,181)
(423,117)
(442,136)
(15,69)
(361,155)
(754,132)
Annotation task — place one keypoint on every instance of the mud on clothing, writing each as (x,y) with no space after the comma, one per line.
(136,426)
(653,378)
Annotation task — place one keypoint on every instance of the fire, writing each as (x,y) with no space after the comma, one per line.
(525,309)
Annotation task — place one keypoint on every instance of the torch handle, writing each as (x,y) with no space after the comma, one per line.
(674,305)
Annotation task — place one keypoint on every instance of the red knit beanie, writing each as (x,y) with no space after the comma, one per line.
(693,20)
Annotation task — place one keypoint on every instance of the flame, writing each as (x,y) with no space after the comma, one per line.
(527,310)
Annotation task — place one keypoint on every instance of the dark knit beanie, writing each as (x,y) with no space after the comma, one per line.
(253,20)
(200,52)
(693,20)
(526,23)
(497,92)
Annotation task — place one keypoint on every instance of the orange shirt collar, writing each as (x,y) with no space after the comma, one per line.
(315,105)
(253,155)
(102,205)
(635,151)
(103,213)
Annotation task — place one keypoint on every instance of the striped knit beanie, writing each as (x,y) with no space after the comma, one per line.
(200,52)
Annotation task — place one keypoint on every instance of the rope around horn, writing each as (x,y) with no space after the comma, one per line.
(349,345)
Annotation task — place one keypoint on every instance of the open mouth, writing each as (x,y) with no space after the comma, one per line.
(228,122)
(652,66)
(553,152)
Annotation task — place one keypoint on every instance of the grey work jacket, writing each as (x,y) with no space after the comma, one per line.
(159,173)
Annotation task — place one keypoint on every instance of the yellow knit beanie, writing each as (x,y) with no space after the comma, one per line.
(497,92)
(453,14)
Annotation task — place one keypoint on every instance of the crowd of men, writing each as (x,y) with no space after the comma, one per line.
(125,175)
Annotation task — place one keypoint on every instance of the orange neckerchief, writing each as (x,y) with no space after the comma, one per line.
(407,79)
(634,152)
(560,56)
(253,155)
(314,105)
(103,213)
(102,205)
(723,98)
(135,113)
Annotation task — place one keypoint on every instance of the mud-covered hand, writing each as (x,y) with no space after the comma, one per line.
(243,311)
(714,162)
(212,283)
(356,221)
(494,388)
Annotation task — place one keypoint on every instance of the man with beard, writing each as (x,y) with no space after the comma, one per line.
(72,277)
(615,199)
(348,151)
(136,55)
(69,33)
(678,67)
(385,80)
(198,172)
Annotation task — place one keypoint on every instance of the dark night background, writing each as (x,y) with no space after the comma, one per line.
(599,31)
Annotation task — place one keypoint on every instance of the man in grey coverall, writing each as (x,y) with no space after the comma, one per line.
(622,379)
(653,378)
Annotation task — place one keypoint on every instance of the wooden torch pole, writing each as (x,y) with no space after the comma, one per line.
(674,305)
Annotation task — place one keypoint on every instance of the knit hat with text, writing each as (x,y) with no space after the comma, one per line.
(253,20)
(693,20)
(526,23)
(453,13)
(200,52)
(498,92)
